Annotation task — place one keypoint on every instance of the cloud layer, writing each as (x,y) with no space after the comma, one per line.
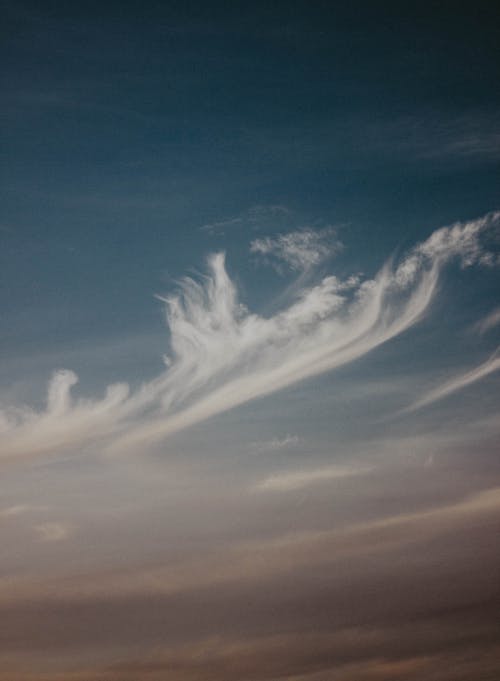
(222,355)
(394,597)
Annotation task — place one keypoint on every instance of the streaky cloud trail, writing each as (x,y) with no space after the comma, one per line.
(222,355)
(487,323)
(490,366)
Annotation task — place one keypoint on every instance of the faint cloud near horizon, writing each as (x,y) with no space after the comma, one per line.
(290,481)
(19,509)
(53,531)
(276,444)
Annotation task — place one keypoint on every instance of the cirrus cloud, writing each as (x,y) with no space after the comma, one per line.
(222,355)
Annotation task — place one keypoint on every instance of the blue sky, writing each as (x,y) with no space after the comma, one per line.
(249,308)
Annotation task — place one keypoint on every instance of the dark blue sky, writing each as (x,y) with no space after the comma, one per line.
(127,127)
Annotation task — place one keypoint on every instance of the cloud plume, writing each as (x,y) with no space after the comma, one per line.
(222,355)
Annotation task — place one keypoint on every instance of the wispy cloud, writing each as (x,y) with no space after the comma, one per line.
(459,382)
(52,531)
(473,137)
(294,480)
(276,443)
(222,355)
(19,509)
(490,321)
(259,558)
(299,250)
(255,218)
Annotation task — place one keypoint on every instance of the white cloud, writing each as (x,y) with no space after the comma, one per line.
(222,355)
(461,241)
(459,382)
(299,250)
(294,480)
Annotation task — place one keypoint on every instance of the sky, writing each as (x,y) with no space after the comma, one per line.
(249,341)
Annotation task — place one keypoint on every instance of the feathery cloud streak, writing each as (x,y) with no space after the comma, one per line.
(222,355)
(489,322)
(460,382)
(293,480)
